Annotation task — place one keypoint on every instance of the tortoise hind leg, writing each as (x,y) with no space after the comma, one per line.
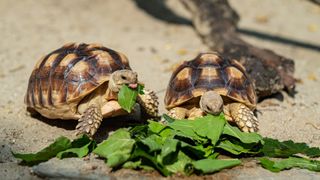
(242,116)
(89,121)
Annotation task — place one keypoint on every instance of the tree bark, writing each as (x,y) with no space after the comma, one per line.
(216,22)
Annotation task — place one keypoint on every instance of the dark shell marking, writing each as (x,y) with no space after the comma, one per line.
(210,71)
(71,71)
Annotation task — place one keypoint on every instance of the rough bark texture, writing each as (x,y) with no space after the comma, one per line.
(216,22)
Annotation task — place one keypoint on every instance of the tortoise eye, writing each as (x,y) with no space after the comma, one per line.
(123,77)
(208,108)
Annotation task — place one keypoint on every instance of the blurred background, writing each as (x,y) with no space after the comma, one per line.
(155,35)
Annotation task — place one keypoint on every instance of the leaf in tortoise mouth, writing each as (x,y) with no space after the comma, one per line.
(127,96)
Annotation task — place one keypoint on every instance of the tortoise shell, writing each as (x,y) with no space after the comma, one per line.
(210,71)
(61,79)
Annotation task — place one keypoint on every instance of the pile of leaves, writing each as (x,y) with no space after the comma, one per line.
(181,146)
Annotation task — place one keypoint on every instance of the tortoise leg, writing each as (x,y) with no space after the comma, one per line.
(227,114)
(195,112)
(178,113)
(149,102)
(89,121)
(243,117)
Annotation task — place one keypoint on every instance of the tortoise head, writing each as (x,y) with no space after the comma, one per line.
(123,77)
(211,103)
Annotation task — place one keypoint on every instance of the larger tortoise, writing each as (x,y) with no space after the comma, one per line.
(81,81)
(210,84)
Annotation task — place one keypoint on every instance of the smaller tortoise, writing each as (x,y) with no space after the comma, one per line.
(81,81)
(211,84)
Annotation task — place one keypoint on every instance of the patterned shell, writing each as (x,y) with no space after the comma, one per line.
(71,72)
(210,71)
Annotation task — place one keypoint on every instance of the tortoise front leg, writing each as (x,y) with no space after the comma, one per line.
(227,114)
(178,113)
(149,102)
(195,113)
(184,113)
(242,116)
(89,121)
(92,117)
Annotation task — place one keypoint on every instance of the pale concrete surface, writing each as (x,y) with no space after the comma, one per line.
(30,29)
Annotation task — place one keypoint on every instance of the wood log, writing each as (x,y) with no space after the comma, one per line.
(216,22)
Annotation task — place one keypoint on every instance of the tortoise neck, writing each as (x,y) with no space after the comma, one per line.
(111,95)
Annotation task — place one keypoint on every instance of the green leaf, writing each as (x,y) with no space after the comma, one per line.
(137,165)
(213,155)
(140,89)
(238,148)
(242,136)
(275,148)
(276,166)
(127,97)
(180,164)
(169,147)
(197,151)
(149,160)
(132,164)
(139,132)
(155,127)
(60,144)
(154,142)
(117,148)
(79,148)
(167,133)
(207,166)
(210,126)
(268,164)
(168,119)
(184,128)
(74,152)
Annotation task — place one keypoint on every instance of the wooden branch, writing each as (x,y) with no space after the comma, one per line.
(216,23)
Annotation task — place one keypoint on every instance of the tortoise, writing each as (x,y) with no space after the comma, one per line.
(210,84)
(81,82)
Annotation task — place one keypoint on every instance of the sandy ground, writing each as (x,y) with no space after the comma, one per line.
(30,29)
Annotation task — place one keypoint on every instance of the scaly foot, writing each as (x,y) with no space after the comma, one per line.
(89,121)
(243,117)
